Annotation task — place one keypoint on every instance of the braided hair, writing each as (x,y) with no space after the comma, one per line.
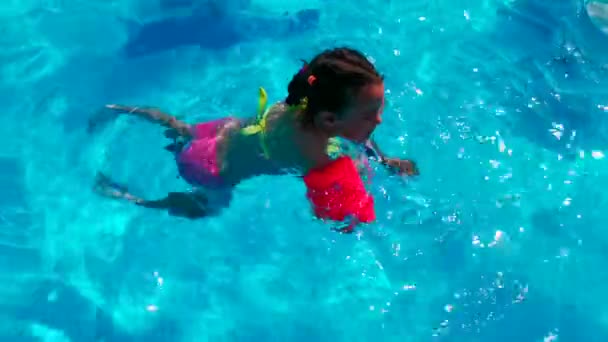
(330,81)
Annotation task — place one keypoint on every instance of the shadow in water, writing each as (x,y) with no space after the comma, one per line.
(210,30)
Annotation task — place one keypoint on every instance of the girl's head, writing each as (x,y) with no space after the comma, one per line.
(343,92)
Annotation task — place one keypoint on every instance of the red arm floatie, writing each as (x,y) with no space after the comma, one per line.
(337,192)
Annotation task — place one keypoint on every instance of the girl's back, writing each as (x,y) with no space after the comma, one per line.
(264,145)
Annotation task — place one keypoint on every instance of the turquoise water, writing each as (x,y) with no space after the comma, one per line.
(501,103)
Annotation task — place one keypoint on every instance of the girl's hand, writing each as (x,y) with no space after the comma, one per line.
(402,166)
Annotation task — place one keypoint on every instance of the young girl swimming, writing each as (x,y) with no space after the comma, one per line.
(338,94)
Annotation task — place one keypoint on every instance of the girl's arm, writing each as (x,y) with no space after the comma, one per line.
(402,166)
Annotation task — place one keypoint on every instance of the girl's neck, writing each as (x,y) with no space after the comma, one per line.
(312,144)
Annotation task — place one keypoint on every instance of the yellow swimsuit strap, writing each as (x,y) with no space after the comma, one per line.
(260,125)
(333,149)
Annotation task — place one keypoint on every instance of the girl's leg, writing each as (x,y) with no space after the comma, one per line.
(176,128)
(189,205)
(183,204)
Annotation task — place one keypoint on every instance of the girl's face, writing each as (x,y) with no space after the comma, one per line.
(360,118)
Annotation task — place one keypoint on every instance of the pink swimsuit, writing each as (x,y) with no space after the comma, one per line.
(197,162)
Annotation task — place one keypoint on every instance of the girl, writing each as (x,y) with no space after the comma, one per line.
(338,94)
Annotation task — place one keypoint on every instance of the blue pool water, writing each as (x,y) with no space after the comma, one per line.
(503,105)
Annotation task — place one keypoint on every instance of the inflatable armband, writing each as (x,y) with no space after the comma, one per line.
(338,193)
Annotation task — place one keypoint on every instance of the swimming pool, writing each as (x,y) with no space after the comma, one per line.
(502,104)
